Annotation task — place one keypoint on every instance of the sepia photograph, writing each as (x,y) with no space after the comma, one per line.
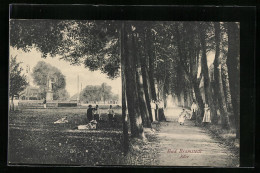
(124,93)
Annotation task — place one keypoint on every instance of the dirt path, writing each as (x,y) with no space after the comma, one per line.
(189,145)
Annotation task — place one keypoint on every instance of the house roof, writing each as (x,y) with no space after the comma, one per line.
(30,91)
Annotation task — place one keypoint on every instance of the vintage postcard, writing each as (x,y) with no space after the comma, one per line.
(124,92)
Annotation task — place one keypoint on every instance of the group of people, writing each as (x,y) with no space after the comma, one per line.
(194,110)
(94,114)
(157,108)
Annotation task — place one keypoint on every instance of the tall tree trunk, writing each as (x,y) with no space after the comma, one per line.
(226,88)
(131,89)
(234,71)
(142,100)
(205,72)
(164,98)
(194,64)
(146,87)
(140,86)
(218,79)
(198,95)
(124,116)
(150,52)
(157,98)
(12,103)
(196,82)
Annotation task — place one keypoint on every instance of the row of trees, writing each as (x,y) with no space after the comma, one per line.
(156,59)
(17,80)
(97,93)
(170,58)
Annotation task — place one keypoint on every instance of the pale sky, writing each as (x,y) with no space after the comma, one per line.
(71,72)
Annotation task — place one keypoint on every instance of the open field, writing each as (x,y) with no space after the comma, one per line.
(35,139)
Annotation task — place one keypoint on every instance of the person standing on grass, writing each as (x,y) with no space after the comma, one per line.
(90,113)
(194,110)
(96,113)
(207,117)
(44,103)
(110,114)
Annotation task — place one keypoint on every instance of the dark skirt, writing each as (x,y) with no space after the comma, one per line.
(193,115)
(90,117)
(96,117)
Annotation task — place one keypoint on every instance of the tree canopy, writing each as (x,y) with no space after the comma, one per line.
(17,80)
(97,93)
(93,43)
(41,74)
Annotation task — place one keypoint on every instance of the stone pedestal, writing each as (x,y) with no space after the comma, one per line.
(49,96)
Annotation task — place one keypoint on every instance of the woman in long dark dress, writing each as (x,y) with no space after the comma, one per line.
(90,113)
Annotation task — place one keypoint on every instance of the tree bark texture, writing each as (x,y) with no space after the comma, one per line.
(205,72)
(233,59)
(218,79)
(131,88)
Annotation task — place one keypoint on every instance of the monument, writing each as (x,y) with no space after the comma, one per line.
(49,94)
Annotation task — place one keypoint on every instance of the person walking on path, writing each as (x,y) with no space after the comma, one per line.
(194,109)
(161,115)
(110,115)
(90,113)
(182,117)
(207,117)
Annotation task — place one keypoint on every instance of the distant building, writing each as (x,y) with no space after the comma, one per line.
(30,93)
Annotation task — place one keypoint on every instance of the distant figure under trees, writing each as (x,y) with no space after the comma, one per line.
(207,117)
(110,115)
(44,103)
(182,117)
(194,109)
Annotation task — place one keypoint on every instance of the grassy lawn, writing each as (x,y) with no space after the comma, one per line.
(35,139)
(225,136)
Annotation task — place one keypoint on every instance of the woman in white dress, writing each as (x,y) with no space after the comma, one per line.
(206,117)
(153,108)
(182,117)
